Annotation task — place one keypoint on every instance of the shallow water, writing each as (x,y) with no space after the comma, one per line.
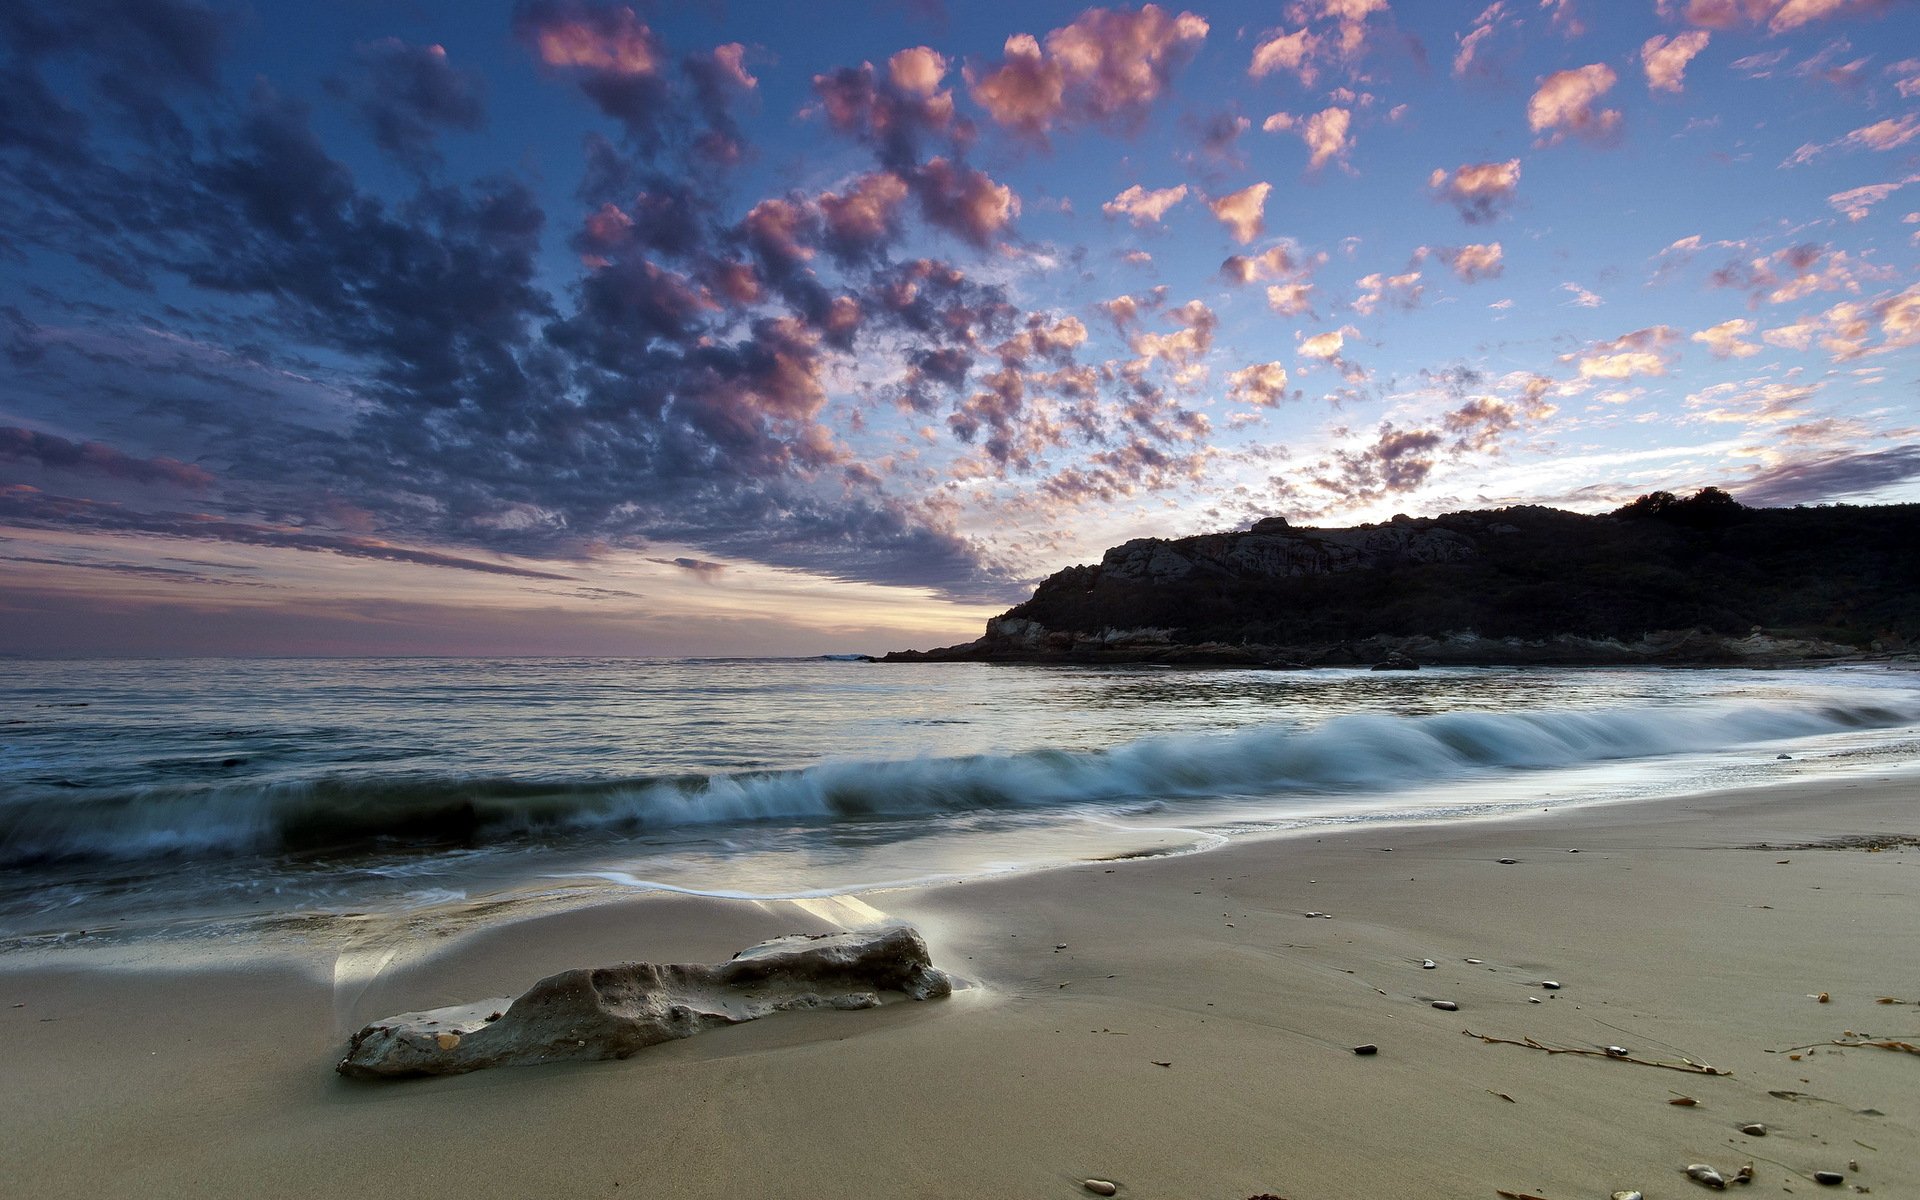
(170,795)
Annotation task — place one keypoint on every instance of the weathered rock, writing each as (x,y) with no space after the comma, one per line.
(1446,1006)
(1754,1129)
(1100,1187)
(1829,1178)
(1705,1176)
(611,1012)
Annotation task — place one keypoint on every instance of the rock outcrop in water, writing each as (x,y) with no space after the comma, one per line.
(1663,580)
(611,1012)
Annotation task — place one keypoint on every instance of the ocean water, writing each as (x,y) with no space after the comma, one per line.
(226,796)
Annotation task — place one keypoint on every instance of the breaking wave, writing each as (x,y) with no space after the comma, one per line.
(1360,753)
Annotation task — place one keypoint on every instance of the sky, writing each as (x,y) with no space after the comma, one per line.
(743,328)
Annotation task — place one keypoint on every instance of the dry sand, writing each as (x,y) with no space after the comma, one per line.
(1669,938)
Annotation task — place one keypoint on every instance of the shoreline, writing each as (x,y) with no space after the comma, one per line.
(210,1081)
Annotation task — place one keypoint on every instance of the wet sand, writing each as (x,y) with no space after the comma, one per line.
(1670,935)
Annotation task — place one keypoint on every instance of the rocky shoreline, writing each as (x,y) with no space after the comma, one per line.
(1703,581)
(1016,640)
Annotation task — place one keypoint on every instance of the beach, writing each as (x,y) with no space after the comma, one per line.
(1673,933)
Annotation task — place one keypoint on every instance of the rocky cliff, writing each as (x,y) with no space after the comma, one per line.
(1662,580)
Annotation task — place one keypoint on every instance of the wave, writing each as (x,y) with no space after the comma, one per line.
(1358,753)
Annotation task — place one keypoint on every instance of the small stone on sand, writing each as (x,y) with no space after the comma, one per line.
(1427,964)
(1366,1049)
(1830,1178)
(1446,1006)
(1552,985)
(1754,1129)
(1100,1187)
(1508,862)
(1703,1174)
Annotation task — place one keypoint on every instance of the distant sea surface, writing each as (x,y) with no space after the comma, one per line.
(217,797)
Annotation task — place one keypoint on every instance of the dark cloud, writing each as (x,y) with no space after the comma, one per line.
(698,566)
(97,458)
(407,94)
(1826,477)
(28,507)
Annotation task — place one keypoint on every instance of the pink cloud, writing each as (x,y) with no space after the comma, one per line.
(1325,133)
(917,70)
(1857,203)
(964,201)
(1642,352)
(1144,207)
(1779,16)
(1666,58)
(1481,191)
(1263,384)
(1566,104)
(1289,299)
(1724,340)
(1108,66)
(1293,52)
(1473,262)
(1398,291)
(601,39)
(1243,212)
(1881,135)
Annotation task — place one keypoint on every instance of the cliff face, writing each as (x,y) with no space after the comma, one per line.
(1663,580)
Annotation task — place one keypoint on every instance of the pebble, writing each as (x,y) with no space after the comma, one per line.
(1616,1051)
(1100,1187)
(1552,985)
(1427,964)
(1508,862)
(1830,1178)
(1476,961)
(1754,1129)
(1446,1006)
(1702,1173)
(1366,1049)
(1329,916)
(1533,999)
(1628,1195)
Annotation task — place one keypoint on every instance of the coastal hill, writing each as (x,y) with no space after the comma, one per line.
(1662,580)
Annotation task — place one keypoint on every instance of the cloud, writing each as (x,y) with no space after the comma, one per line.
(1641,352)
(1262,384)
(965,202)
(1830,476)
(1889,134)
(1290,299)
(408,93)
(1467,59)
(31,508)
(1398,291)
(917,70)
(1779,16)
(1481,191)
(1582,298)
(1565,104)
(1325,346)
(1107,67)
(699,568)
(1326,136)
(1857,203)
(1293,51)
(1565,19)
(1327,33)
(97,458)
(1243,212)
(1665,59)
(1474,261)
(1795,272)
(1144,207)
(1724,340)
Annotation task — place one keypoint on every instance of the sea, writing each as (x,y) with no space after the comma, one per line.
(278,798)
